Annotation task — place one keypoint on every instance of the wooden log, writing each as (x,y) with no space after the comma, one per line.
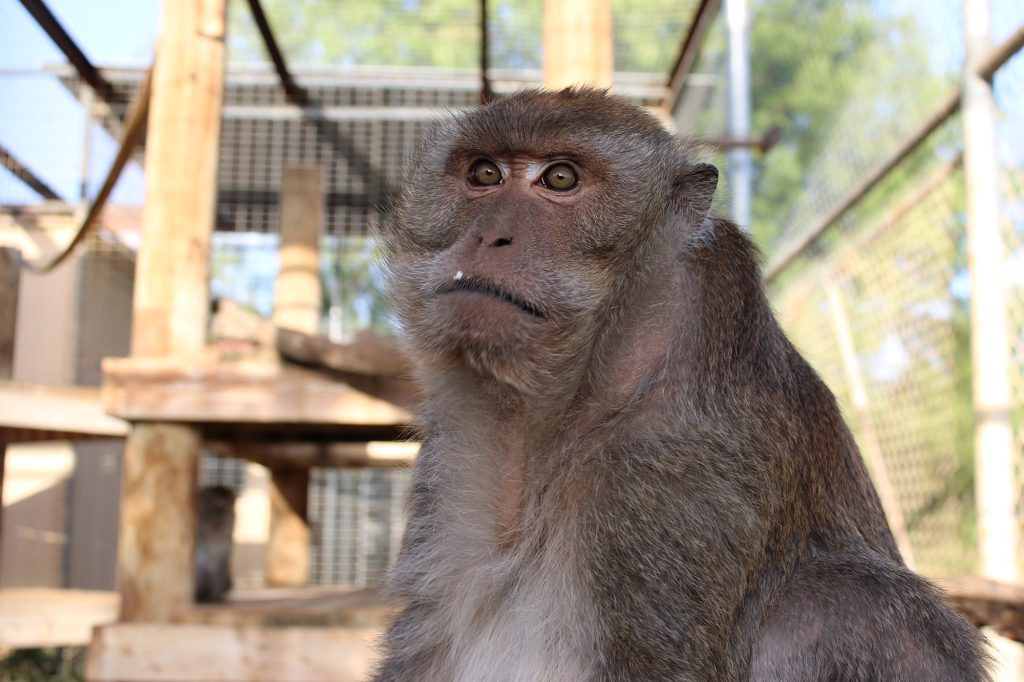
(171,296)
(297,288)
(171,304)
(157,542)
(297,307)
(225,653)
(577,43)
(287,553)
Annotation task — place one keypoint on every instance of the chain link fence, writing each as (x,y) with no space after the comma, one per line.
(880,304)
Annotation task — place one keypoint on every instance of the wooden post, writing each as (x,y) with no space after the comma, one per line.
(10,275)
(578,43)
(996,488)
(297,289)
(157,541)
(296,307)
(287,554)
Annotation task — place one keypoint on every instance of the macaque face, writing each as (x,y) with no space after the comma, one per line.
(505,253)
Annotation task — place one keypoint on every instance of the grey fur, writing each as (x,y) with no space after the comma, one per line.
(215,522)
(633,476)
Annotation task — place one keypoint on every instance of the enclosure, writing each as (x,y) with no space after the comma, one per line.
(189,294)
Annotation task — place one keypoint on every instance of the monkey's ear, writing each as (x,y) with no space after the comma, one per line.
(695,187)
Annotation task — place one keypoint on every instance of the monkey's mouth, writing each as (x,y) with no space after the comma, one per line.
(473,285)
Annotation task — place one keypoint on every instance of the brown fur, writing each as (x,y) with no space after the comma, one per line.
(628,473)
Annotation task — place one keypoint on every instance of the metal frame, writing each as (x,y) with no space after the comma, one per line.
(25,174)
(688,52)
(89,73)
(292,90)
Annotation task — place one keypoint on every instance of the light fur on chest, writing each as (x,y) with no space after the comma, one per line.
(505,574)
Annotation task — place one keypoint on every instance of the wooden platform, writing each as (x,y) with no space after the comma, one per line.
(40,617)
(151,652)
(293,635)
(235,399)
(30,412)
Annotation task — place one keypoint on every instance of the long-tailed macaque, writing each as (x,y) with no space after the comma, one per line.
(215,522)
(628,472)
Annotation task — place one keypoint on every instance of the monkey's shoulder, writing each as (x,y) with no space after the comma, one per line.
(858,615)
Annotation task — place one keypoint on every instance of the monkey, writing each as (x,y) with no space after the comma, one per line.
(215,522)
(627,471)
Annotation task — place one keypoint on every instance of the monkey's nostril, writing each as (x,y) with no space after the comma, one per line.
(502,241)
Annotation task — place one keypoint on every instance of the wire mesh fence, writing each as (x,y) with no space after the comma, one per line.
(881,304)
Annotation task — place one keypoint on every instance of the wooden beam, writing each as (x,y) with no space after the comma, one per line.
(225,653)
(25,174)
(987,602)
(44,17)
(297,293)
(242,393)
(171,304)
(131,137)
(171,297)
(377,454)
(578,43)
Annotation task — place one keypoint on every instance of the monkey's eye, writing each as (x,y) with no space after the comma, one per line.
(484,173)
(560,176)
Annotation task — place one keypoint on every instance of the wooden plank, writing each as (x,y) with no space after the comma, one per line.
(297,288)
(243,393)
(577,43)
(286,562)
(57,409)
(155,551)
(225,653)
(40,617)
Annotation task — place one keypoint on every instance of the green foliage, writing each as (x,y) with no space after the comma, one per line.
(53,664)
(837,77)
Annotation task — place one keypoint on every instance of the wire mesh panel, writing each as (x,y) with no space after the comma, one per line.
(894,293)
(357,517)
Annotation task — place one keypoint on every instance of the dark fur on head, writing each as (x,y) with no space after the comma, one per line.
(628,472)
